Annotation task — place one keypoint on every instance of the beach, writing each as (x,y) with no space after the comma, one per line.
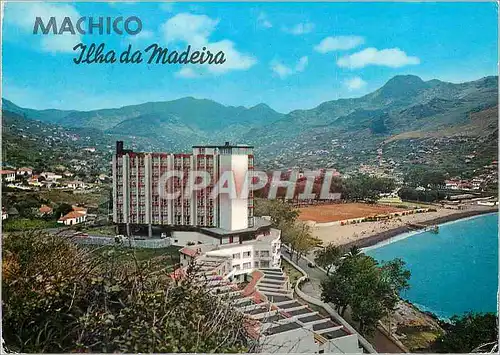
(370,233)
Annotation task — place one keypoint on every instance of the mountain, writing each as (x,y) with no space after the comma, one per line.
(408,118)
(189,118)
(348,132)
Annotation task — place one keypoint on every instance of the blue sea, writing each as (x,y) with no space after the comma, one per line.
(452,272)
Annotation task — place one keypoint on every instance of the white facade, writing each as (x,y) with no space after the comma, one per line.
(8,175)
(244,257)
(234,209)
(141,182)
(72,218)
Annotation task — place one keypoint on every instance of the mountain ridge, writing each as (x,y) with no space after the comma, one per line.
(405,103)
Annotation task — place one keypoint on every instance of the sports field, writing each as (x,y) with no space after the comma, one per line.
(341,211)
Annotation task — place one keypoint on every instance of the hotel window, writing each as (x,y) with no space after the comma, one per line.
(247,265)
(247,254)
(256,253)
(236,256)
(236,267)
(256,264)
(264,253)
(264,264)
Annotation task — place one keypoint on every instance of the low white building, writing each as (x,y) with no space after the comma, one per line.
(51,176)
(75,184)
(247,249)
(8,175)
(24,171)
(245,257)
(73,217)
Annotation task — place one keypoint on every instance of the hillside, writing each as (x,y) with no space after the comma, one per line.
(189,118)
(408,119)
(347,132)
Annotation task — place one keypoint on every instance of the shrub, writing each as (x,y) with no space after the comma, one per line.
(58,297)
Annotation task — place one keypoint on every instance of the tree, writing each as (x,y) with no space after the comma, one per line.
(282,214)
(328,257)
(62,210)
(394,273)
(59,297)
(337,289)
(424,176)
(369,289)
(367,188)
(353,252)
(468,332)
(299,237)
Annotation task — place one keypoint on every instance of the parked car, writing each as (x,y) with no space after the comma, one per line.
(312,265)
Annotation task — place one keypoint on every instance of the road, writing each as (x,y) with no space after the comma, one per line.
(379,340)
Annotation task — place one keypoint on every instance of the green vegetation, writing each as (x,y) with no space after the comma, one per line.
(21,224)
(293,274)
(294,233)
(407,193)
(328,257)
(281,213)
(423,176)
(369,289)
(58,297)
(366,188)
(168,256)
(468,333)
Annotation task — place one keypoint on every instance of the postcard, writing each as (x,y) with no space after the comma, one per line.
(249,177)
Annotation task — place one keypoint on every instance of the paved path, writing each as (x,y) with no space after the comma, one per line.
(379,340)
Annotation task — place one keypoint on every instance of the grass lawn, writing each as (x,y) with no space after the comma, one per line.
(20,224)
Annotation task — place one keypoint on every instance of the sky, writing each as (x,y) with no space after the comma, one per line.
(287,55)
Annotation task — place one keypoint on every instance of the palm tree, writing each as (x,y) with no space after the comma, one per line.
(353,252)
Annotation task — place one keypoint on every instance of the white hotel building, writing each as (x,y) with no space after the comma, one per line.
(136,188)
(201,223)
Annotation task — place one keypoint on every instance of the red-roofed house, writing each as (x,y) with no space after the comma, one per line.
(74,217)
(45,210)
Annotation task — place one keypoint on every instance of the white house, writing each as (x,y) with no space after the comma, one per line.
(74,217)
(75,184)
(51,176)
(261,252)
(24,171)
(8,175)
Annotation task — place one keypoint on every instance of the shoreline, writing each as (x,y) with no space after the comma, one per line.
(372,240)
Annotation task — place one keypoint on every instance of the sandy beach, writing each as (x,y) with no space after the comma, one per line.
(369,233)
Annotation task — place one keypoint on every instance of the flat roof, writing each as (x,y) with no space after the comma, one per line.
(282,328)
(274,286)
(335,334)
(291,305)
(313,318)
(258,223)
(273,318)
(275,278)
(298,312)
(277,299)
(324,325)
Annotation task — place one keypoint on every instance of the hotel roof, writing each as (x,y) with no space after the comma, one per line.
(282,328)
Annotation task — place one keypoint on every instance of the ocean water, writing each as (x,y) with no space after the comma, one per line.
(452,272)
